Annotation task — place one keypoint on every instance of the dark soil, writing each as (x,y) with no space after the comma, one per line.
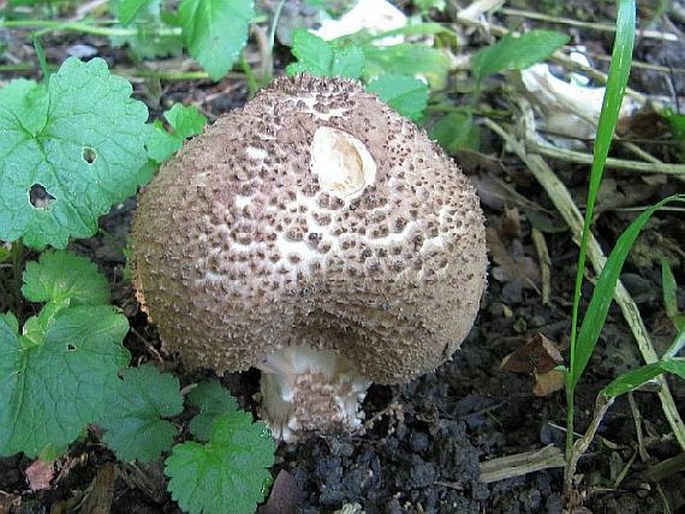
(425,440)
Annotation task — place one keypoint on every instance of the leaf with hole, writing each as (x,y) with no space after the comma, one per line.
(53,386)
(69,151)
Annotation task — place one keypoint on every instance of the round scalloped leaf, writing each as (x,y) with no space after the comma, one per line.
(213,400)
(229,473)
(133,421)
(61,275)
(52,387)
(67,152)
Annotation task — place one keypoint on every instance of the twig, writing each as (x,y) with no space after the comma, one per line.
(536,146)
(637,418)
(624,471)
(562,200)
(582,444)
(521,464)
(545,263)
(600,27)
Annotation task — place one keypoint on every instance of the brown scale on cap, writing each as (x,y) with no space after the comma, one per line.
(314,216)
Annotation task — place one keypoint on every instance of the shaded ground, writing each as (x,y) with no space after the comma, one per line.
(423,449)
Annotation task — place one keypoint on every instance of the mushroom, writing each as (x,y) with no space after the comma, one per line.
(316,235)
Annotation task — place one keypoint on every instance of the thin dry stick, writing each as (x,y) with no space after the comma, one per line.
(545,264)
(637,418)
(521,464)
(563,202)
(585,158)
(601,27)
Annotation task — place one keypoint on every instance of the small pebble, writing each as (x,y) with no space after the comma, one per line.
(82,51)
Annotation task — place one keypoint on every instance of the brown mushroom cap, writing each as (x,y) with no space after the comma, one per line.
(313,216)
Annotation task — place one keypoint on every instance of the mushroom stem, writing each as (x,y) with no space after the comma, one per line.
(304,389)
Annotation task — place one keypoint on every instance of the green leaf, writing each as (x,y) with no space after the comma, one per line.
(411,29)
(213,400)
(184,121)
(426,5)
(321,58)
(675,366)
(154,36)
(406,95)
(632,379)
(50,391)
(676,346)
(231,469)
(619,70)
(129,9)
(603,293)
(67,152)
(215,31)
(61,275)
(516,53)
(132,421)
(35,328)
(669,287)
(456,131)
(409,59)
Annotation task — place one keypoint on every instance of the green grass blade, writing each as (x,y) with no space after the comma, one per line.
(632,379)
(676,346)
(675,366)
(604,289)
(619,70)
(669,288)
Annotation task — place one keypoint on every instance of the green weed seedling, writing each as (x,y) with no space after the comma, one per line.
(213,31)
(670,288)
(456,129)
(67,368)
(584,339)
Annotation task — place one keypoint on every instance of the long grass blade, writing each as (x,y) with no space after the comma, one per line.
(604,288)
(619,70)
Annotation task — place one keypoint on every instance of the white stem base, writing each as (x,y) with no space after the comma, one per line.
(309,390)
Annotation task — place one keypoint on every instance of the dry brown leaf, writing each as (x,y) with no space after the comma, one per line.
(285,496)
(539,355)
(515,270)
(548,383)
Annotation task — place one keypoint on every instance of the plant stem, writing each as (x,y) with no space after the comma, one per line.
(252,84)
(86,28)
(574,156)
(619,71)
(579,448)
